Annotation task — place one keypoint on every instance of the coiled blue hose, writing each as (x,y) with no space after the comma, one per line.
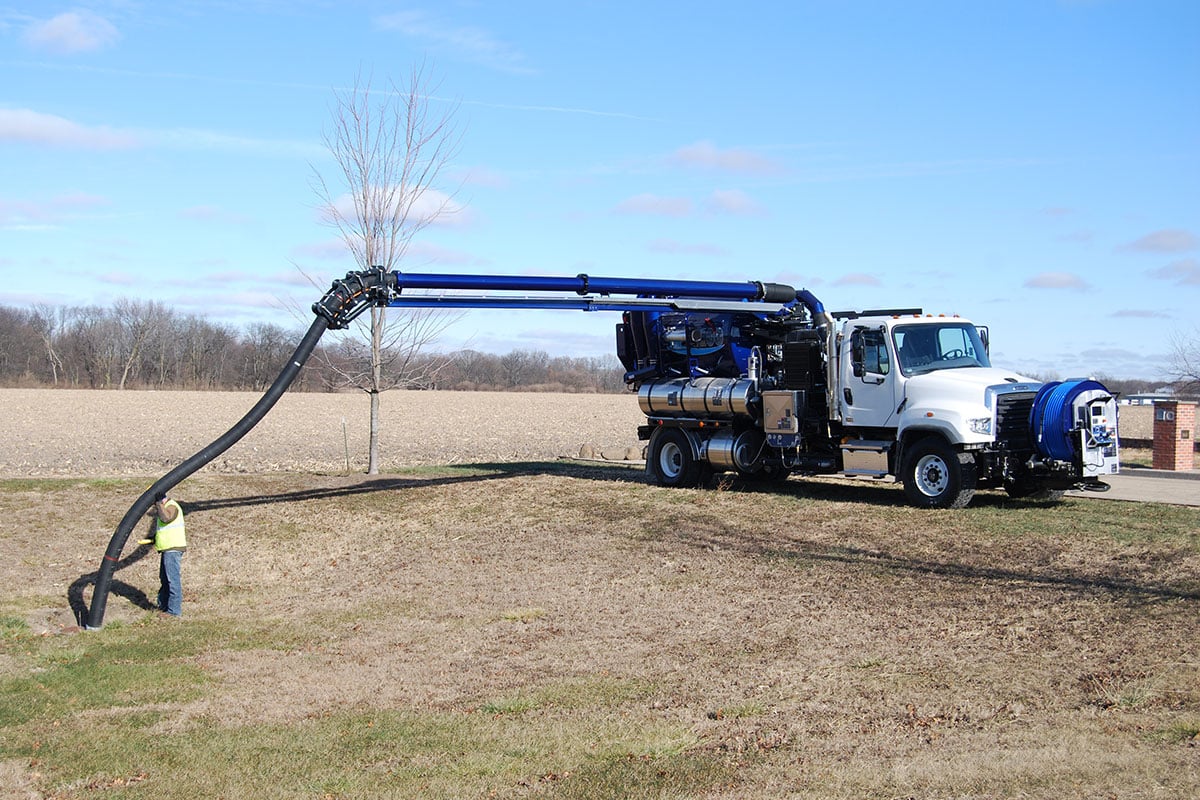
(1051,419)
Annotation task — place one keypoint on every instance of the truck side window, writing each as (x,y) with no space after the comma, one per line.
(875,353)
(868,349)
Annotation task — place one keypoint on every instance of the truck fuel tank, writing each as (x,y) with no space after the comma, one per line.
(703,397)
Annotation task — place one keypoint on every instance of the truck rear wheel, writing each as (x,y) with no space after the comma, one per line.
(936,476)
(672,461)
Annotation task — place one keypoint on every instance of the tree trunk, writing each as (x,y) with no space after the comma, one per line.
(373,448)
(376,388)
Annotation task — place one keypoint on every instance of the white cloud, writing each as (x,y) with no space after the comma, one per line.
(733,201)
(707,155)
(466,41)
(1140,313)
(1167,240)
(41,214)
(1108,355)
(1078,237)
(655,205)
(858,279)
(721,201)
(1056,280)
(114,278)
(1184,272)
(73,32)
(27,126)
(33,127)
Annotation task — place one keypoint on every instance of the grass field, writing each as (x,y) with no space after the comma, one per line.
(564,630)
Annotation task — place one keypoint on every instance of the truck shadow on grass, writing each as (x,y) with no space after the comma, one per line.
(754,546)
(477,472)
(877,560)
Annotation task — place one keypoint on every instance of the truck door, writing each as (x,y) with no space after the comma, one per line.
(868,379)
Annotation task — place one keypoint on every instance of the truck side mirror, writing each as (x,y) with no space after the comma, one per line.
(983,337)
(858,354)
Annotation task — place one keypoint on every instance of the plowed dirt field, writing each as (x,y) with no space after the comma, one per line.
(95,433)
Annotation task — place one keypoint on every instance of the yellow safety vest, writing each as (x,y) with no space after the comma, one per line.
(170,535)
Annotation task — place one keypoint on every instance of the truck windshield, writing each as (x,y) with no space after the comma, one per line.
(933,346)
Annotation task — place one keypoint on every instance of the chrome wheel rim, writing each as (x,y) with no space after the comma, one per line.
(932,476)
(670,460)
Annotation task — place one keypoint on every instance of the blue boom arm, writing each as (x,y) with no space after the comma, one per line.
(581,292)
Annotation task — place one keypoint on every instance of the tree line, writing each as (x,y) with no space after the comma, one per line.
(147,345)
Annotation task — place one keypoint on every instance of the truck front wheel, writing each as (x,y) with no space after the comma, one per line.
(935,476)
(672,462)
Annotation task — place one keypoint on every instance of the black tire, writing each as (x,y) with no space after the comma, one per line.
(672,461)
(936,476)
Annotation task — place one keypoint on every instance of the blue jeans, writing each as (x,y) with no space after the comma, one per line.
(170,574)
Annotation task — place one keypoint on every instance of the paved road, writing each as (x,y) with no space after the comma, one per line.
(1151,486)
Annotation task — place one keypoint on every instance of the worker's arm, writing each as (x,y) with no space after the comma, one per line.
(157,512)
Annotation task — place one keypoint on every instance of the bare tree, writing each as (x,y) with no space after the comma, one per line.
(18,343)
(137,321)
(90,346)
(351,362)
(49,321)
(1185,362)
(389,150)
(521,367)
(474,370)
(264,347)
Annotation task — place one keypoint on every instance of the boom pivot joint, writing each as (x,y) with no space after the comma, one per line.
(352,295)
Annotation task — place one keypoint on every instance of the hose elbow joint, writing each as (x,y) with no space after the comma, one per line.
(352,295)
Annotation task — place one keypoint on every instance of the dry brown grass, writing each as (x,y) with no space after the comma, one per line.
(598,636)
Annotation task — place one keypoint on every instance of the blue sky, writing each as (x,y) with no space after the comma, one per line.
(1034,166)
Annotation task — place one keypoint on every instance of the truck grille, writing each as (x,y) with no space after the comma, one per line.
(1012,420)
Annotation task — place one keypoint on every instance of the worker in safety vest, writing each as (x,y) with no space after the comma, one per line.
(167,536)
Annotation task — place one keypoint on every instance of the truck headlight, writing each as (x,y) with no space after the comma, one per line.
(981,425)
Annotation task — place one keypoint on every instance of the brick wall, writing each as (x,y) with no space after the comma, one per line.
(1174,435)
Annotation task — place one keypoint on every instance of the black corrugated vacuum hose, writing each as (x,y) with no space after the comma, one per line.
(111,556)
(345,300)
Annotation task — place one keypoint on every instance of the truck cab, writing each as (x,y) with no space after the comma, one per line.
(880,359)
(918,398)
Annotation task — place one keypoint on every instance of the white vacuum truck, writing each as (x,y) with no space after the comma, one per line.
(879,393)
